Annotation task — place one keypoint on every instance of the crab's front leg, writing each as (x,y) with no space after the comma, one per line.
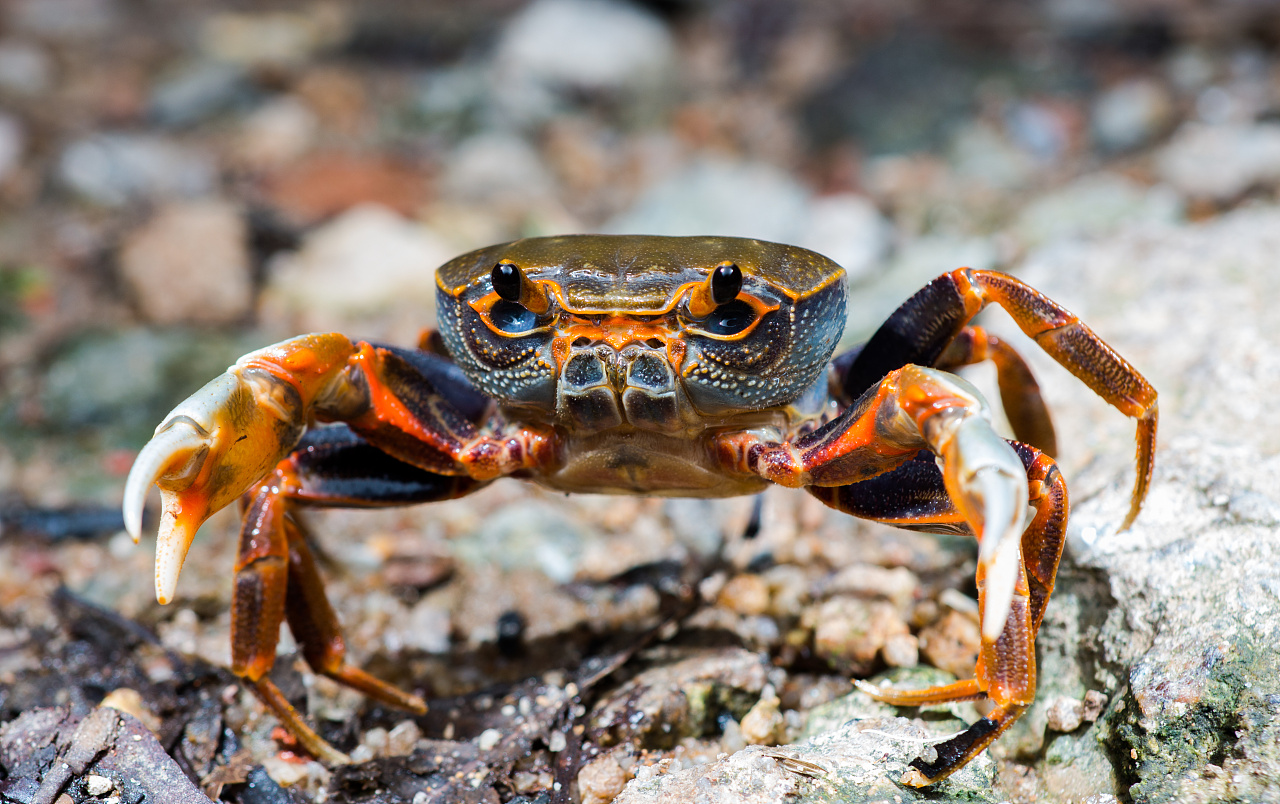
(231,433)
(864,462)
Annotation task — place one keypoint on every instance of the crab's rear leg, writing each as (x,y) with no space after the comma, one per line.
(914,496)
(277,579)
(921,330)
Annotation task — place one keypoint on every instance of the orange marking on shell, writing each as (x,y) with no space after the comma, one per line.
(301,360)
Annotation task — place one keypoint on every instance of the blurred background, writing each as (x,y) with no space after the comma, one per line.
(182,182)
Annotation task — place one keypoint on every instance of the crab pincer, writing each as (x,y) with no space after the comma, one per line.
(221,440)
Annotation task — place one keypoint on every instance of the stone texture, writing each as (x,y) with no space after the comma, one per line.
(190,265)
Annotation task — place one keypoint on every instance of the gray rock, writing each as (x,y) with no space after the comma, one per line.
(849,229)
(190,264)
(24,68)
(64,19)
(12,144)
(593,46)
(1131,114)
(197,92)
(720,197)
(1220,162)
(1095,205)
(532,534)
(114,169)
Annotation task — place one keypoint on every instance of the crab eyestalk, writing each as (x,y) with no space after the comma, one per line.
(208,451)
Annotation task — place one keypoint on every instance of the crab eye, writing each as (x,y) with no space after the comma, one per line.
(507,281)
(730,318)
(512,318)
(726,282)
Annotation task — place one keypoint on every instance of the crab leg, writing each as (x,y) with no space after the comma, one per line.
(1019,392)
(217,444)
(921,329)
(915,496)
(276,575)
(914,408)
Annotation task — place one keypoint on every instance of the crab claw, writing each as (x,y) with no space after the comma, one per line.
(989,484)
(208,451)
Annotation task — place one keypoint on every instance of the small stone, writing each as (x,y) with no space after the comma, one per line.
(402,739)
(331,183)
(376,740)
(273,38)
(764,724)
(1094,704)
(24,68)
(901,650)
(1132,114)
(197,92)
(1221,162)
(276,133)
(130,702)
(596,46)
(853,630)
(601,780)
(190,265)
(500,168)
(114,169)
(12,144)
(745,594)
(952,644)
(1064,714)
(849,229)
(488,739)
(97,786)
(369,270)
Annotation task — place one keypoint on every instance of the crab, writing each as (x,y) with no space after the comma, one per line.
(644,365)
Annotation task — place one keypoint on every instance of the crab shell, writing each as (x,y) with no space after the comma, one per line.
(622,340)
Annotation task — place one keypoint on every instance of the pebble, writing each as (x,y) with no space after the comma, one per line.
(64,19)
(330,183)
(1132,114)
(853,631)
(952,644)
(901,650)
(114,169)
(276,133)
(1221,162)
(745,594)
(716,196)
(578,45)
(534,534)
(97,786)
(273,38)
(1064,713)
(601,780)
(1095,205)
(764,724)
(391,258)
(496,167)
(190,264)
(849,229)
(197,92)
(24,68)
(12,144)
(488,739)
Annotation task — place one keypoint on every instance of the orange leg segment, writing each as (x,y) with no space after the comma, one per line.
(915,496)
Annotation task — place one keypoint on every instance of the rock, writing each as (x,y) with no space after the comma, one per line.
(69,20)
(190,264)
(498,168)
(533,534)
(852,632)
(849,229)
(1186,643)
(1065,714)
(764,723)
(981,154)
(1096,205)
(276,133)
(684,698)
(720,197)
(12,144)
(329,183)
(1132,114)
(114,169)
(601,780)
(24,68)
(952,644)
(273,38)
(1221,162)
(574,46)
(198,91)
(745,594)
(860,761)
(368,272)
